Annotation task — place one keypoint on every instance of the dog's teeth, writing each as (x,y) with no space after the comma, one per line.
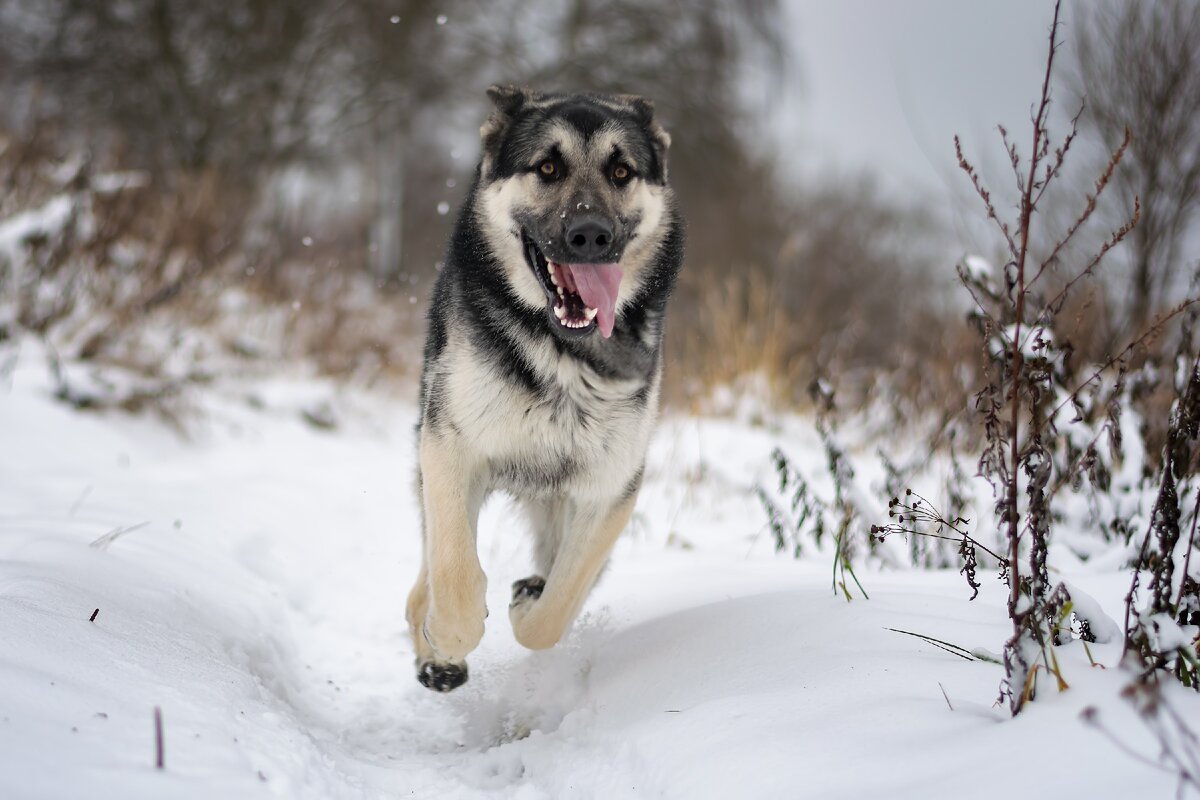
(590,313)
(560,312)
(553,277)
(560,291)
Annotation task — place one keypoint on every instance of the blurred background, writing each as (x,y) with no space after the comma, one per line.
(194,187)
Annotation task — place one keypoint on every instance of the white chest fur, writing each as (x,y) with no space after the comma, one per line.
(581,435)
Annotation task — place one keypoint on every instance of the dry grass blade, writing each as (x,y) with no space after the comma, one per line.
(961,652)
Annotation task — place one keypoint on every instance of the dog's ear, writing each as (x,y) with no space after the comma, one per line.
(643,112)
(508,101)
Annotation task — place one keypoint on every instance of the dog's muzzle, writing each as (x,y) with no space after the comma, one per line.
(582,296)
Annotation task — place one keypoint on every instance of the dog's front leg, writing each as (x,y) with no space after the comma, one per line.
(541,612)
(454,601)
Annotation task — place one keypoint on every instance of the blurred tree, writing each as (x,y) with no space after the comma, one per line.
(390,92)
(1138,67)
(245,86)
(241,86)
(857,274)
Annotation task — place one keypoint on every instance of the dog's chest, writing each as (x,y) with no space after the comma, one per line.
(577,434)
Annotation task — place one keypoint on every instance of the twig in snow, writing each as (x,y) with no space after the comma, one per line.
(95,614)
(919,511)
(158,739)
(943,688)
(79,502)
(107,539)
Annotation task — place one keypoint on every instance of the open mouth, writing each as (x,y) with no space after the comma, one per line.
(582,297)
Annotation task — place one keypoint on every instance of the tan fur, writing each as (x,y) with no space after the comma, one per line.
(415,611)
(456,584)
(539,624)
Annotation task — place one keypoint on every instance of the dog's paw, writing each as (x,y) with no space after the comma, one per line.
(442,677)
(533,623)
(452,639)
(527,589)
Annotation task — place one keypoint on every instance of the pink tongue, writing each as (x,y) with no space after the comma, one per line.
(597,284)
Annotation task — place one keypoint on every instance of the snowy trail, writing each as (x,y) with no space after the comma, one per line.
(261,607)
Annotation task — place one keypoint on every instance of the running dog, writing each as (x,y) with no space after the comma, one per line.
(543,361)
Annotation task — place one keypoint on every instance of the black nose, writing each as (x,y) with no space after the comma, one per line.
(589,238)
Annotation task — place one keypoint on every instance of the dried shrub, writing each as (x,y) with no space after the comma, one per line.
(1042,416)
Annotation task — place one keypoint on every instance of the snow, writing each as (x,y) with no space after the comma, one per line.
(111,182)
(978,268)
(1103,628)
(1169,635)
(1035,340)
(44,221)
(260,606)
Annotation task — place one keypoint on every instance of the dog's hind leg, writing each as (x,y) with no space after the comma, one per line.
(548,520)
(446,615)
(541,614)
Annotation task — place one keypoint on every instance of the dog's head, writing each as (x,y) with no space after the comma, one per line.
(574,196)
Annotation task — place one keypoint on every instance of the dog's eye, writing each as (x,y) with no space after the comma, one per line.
(548,169)
(621,174)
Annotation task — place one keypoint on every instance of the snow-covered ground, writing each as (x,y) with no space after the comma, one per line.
(253,584)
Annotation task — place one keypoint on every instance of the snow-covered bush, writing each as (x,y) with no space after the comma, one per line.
(1053,430)
(142,284)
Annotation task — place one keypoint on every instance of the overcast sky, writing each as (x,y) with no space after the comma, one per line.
(886,85)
